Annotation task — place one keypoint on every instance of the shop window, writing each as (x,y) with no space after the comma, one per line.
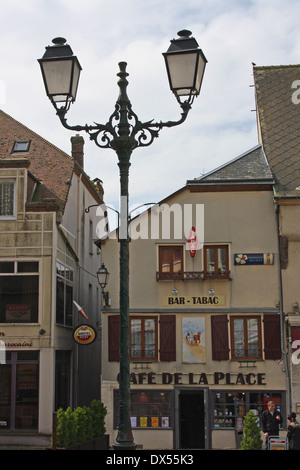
(7,199)
(144,338)
(19,391)
(148,409)
(170,262)
(246,337)
(230,408)
(216,264)
(19,292)
(64,295)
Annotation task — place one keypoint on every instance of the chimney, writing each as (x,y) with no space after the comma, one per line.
(77,143)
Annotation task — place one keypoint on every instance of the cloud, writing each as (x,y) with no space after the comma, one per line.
(221,124)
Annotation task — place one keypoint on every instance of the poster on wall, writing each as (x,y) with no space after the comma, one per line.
(165,423)
(133,421)
(18,313)
(143,421)
(154,421)
(193,340)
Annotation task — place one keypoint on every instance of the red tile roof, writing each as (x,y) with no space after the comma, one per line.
(48,164)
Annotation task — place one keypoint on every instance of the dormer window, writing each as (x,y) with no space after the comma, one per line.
(21,146)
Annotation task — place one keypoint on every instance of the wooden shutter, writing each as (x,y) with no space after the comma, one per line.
(219,336)
(272,336)
(167,338)
(113,338)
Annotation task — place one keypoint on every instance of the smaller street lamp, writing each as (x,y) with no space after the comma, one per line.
(102,275)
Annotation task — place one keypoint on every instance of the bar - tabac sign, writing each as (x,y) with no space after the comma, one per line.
(188,301)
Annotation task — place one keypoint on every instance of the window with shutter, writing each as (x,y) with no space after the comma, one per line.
(170,262)
(167,338)
(272,336)
(245,333)
(144,338)
(219,333)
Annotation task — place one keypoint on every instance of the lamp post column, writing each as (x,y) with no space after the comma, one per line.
(123,145)
(124,438)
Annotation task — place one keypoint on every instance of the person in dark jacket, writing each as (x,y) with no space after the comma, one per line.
(291,430)
(271,419)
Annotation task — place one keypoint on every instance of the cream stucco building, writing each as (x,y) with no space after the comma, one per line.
(47,260)
(206,343)
(277,100)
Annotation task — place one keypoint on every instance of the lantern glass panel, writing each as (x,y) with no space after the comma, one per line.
(182,72)
(58,75)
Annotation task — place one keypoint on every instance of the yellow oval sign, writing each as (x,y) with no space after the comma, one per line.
(84,334)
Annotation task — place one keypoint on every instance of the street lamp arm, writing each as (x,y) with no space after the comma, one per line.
(124,122)
(186,106)
(93,131)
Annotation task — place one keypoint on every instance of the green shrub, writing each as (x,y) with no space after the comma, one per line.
(98,417)
(252,437)
(71,426)
(81,424)
(62,439)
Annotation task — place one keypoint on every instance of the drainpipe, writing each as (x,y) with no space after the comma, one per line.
(283,351)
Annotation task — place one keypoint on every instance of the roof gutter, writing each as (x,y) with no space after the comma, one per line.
(282,323)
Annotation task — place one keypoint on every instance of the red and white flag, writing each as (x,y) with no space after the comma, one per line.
(80,309)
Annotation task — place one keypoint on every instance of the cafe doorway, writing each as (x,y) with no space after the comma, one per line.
(191,419)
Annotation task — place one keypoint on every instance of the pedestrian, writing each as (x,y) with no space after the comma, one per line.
(291,430)
(271,419)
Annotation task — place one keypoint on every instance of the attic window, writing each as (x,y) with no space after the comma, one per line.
(21,146)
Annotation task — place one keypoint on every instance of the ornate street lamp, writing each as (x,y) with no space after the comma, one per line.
(123,133)
(102,275)
(61,71)
(185,64)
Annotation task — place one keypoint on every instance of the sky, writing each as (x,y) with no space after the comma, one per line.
(233,34)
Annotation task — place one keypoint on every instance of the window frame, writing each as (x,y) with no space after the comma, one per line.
(166,337)
(20,142)
(147,410)
(65,277)
(216,274)
(171,274)
(16,270)
(143,357)
(13,214)
(245,319)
